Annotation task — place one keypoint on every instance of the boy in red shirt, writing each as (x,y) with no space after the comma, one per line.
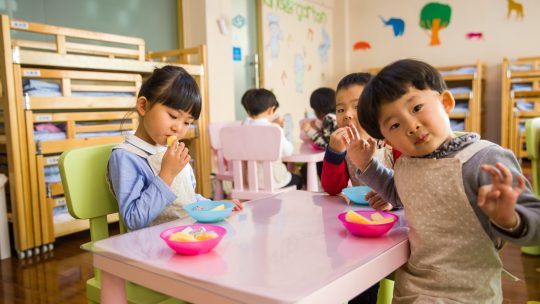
(337,168)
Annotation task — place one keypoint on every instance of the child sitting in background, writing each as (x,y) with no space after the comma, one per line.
(459,193)
(260,105)
(337,167)
(150,181)
(323,103)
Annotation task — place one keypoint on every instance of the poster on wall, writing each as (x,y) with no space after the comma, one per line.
(297,50)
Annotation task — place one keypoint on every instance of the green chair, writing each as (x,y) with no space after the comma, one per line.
(83,172)
(532,134)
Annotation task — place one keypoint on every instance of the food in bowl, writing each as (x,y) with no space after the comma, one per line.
(193,239)
(367,223)
(191,235)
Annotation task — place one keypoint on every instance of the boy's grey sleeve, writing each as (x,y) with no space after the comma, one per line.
(381,180)
(527,206)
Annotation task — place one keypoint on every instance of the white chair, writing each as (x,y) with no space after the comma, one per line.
(223,171)
(245,147)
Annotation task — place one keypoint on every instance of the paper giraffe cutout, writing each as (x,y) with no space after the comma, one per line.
(398,25)
(514,6)
(435,16)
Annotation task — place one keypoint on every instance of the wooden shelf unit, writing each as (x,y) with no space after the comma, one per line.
(520,100)
(470,77)
(79,61)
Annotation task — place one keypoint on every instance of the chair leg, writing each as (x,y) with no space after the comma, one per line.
(218,190)
(386,291)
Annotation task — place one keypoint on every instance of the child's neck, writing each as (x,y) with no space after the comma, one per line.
(262,116)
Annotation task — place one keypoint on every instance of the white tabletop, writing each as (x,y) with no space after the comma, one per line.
(290,248)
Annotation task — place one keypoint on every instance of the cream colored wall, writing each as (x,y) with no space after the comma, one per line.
(502,38)
(200,26)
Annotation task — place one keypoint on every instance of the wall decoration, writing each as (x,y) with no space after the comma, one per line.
(361,45)
(239,21)
(275,34)
(310,34)
(304,12)
(434,17)
(514,6)
(324,46)
(299,69)
(398,25)
(283,77)
(474,35)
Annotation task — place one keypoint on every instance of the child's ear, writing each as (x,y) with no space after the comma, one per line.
(448,101)
(142,105)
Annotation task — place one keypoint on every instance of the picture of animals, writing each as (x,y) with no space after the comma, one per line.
(397,24)
(516,7)
(434,17)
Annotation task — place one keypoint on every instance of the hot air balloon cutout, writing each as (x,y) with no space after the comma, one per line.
(435,17)
(397,24)
(361,45)
(516,7)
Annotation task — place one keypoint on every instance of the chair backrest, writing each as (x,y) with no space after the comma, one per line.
(215,142)
(532,135)
(250,148)
(83,172)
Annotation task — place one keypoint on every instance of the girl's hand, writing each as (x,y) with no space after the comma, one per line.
(336,140)
(238,205)
(498,200)
(360,151)
(174,160)
(377,202)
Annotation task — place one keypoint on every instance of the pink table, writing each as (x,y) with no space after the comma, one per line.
(304,153)
(289,248)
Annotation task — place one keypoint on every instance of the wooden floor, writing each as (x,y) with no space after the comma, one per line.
(59,276)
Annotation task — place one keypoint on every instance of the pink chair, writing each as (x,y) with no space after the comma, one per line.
(244,147)
(223,171)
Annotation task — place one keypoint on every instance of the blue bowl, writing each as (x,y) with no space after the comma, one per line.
(200,211)
(357,194)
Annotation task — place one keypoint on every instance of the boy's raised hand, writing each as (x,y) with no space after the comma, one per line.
(336,142)
(360,150)
(498,199)
(174,160)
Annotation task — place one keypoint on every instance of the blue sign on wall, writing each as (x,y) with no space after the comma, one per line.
(237,53)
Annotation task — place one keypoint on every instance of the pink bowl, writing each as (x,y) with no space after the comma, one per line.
(193,248)
(368,230)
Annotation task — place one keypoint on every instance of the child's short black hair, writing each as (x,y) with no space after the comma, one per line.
(322,101)
(256,101)
(172,86)
(390,84)
(353,79)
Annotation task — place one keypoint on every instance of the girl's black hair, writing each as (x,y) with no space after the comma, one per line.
(256,101)
(390,84)
(322,101)
(353,79)
(172,86)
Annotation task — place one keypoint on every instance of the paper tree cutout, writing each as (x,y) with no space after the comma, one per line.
(435,16)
